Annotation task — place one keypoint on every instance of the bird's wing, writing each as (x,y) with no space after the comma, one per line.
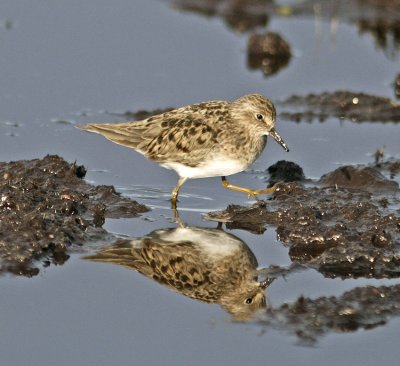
(177,135)
(175,265)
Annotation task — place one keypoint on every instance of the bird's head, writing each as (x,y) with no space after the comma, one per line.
(260,111)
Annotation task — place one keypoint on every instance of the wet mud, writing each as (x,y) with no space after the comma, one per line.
(364,178)
(47,210)
(356,107)
(360,308)
(345,225)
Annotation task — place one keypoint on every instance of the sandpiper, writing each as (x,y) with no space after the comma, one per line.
(209,139)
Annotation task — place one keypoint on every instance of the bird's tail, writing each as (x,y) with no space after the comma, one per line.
(121,133)
(122,253)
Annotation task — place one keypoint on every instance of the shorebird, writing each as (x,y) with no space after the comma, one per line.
(216,138)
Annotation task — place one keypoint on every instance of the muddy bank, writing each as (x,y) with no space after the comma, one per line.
(356,107)
(47,209)
(360,308)
(379,19)
(246,15)
(346,225)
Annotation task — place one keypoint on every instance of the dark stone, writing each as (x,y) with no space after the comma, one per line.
(285,171)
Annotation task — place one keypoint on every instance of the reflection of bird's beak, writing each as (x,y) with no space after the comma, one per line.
(277,137)
(264,284)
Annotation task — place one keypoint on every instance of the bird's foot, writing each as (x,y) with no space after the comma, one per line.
(251,193)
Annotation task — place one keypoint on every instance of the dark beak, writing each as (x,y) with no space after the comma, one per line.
(277,137)
(264,284)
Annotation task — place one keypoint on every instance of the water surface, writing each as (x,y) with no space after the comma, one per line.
(76,62)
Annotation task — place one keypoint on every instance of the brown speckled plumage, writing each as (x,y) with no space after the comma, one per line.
(209,265)
(215,138)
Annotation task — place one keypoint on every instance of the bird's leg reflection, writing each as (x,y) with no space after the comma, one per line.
(177,218)
(205,264)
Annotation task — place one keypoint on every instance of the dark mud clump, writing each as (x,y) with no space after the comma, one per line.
(46,209)
(357,107)
(268,52)
(360,308)
(285,171)
(345,231)
(356,177)
(239,15)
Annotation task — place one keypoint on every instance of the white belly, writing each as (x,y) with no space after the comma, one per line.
(214,168)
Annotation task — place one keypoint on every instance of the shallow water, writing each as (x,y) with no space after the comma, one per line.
(75,61)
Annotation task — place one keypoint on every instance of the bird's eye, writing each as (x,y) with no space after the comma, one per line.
(249,301)
(259,116)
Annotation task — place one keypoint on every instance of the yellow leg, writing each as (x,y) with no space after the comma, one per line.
(250,192)
(175,192)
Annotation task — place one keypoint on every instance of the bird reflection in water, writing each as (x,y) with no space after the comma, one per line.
(205,264)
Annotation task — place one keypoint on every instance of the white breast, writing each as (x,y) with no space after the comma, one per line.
(217,167)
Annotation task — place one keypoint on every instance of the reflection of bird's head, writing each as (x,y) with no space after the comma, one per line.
(245,302)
